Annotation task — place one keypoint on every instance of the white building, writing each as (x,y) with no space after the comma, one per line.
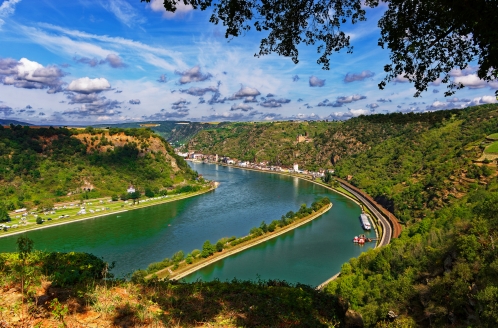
(130,189)
(296,167)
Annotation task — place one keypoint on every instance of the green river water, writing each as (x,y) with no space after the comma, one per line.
(309,254)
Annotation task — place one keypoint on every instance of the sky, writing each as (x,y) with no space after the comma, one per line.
(113,61)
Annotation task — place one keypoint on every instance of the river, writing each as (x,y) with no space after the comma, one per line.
(309,254)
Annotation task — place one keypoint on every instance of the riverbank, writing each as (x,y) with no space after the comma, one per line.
(341,191)
(185,271)
(32,226)
(378,231)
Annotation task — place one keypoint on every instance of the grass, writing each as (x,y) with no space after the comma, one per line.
(493,136)
(493,148)
(94,208)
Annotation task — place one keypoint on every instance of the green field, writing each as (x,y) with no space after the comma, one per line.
(492,149)
(493,136)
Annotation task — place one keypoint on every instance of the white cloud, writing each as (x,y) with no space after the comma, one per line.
(87,85)
(123,11)
(472,81)
(181,9)
(316,82)
(7,9)
(74,42)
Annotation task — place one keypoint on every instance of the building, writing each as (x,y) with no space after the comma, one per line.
(296,167)
(130,189)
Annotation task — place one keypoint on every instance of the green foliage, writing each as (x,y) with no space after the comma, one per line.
(208,249)
(39,220)
(219,246)
(73,268)
(52,163)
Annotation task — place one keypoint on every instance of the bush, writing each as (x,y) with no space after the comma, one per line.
(39,220)
(219,246)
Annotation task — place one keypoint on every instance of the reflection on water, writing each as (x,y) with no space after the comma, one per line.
(137,238)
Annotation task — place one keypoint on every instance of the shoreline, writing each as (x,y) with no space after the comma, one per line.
(323,284)
(250,243)
(136,207)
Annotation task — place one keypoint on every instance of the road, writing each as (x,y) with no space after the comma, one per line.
(386,227)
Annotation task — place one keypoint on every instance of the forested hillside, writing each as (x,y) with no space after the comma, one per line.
(437,172)
(57,164)
(323,145)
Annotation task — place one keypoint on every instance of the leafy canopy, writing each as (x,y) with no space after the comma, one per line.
(427,39)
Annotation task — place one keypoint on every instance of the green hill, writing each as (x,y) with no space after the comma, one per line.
(48,164)
(426,168)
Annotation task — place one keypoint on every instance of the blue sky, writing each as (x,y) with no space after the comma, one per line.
(109,61)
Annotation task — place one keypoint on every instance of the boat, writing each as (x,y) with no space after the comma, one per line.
(364,222)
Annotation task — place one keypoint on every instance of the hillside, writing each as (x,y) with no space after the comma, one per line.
(429,169)
(322,144)
(175,132)
(52,165)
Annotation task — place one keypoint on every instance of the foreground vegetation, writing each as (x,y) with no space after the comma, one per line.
(69,289)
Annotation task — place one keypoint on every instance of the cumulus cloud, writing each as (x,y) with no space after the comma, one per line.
(243,107)
(349,114)
(216,99)
(193,75)
(316,82)
(225,116)
(270,95)
(435,91)
(456,100)
(246,92)
(484,100)
(295,78)
(194,91)
(181,9)
(162,78)
(472,81)
(271,117)
(341,101)
(274,103)
(300,100)
(459,72)
(373,106)
(7,9)
(350,99)
(250,99)
(29,74)
(383,100)
(164,115)
(101,107)
(301,116)
(352,77)
(401,79)
(87,85)
(440,105)
(6,110)
(134,101)
(113,60)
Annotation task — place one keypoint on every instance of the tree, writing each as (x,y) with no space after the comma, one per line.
(208,249)
(427,39)
(4,215)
